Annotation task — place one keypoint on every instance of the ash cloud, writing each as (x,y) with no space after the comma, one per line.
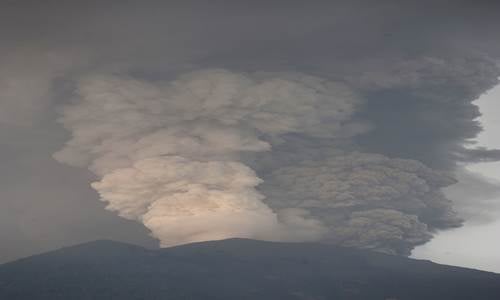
(168,153)
(178,157)
(412,69)
(367,200)
(431,100)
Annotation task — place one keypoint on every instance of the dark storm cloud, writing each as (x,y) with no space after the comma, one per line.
(417,66)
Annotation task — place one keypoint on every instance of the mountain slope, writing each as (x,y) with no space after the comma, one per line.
(236,269)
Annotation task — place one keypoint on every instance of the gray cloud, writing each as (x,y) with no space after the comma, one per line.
(479,154)
(431,100)
(26,80)
(355,192)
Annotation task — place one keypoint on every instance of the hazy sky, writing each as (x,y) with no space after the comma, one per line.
(165,122)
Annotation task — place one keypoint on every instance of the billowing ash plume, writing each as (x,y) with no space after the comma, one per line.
(181,157)
(367,200)
(168,153)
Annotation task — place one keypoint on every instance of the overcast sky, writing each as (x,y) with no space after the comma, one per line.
(167,122)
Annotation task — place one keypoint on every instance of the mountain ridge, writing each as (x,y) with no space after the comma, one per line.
(236,269)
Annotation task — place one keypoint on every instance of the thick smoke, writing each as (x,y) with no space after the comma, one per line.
(431,101)
(181,157)
(168,153)
(367,200)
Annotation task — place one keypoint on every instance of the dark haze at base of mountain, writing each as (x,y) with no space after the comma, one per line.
(237,269)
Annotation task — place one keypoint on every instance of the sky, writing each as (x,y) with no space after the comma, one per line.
(161,123)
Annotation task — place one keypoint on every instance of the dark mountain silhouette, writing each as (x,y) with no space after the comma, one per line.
(237,269)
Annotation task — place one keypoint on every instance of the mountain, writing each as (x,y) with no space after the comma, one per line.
(237,269)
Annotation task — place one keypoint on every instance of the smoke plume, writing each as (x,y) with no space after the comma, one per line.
(367,200)
(167,154)
(183,158)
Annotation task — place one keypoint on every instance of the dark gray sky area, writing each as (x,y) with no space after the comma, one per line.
(168,122)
